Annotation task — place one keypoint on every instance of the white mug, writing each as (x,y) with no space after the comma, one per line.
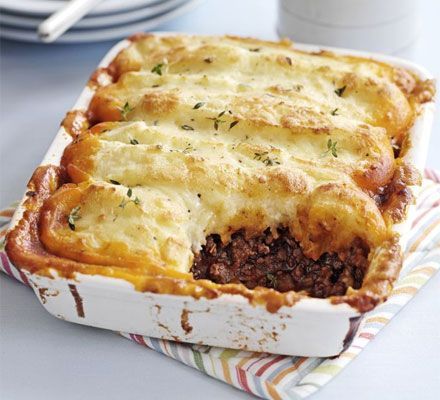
(385,26)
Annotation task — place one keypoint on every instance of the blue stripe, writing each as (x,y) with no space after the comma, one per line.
(284,364)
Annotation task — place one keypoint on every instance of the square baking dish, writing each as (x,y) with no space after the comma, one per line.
(310,327)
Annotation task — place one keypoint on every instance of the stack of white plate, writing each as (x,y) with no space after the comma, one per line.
(111,19)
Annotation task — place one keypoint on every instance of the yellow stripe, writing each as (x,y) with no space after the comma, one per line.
(404,290)
(226,373)
(329,369)
(348,354)
(286,371)
(415,279)
(423,236)
(424,270)
(381,320)
(272,391)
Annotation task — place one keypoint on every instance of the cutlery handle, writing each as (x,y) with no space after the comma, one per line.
(60,21)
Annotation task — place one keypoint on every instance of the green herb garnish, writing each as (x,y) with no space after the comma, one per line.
(114,182)
(198,105)
(271,280)
(188,149)
(335,111)
(157,69)
(134,141)
(255,50)
(265,159)
(340,91)
(125,110)
(73,217)
(233,123)
(187,128)
(136,201)
(331,148)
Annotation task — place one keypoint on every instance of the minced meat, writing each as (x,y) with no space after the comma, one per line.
(278,262)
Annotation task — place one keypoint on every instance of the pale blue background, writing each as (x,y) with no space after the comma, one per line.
(45,358)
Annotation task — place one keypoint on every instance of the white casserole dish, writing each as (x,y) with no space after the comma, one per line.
(311,327)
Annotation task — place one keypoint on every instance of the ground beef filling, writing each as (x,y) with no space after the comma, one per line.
(279,263)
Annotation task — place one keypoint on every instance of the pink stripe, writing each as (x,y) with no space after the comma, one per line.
(428,173)
(5,264)
(366,335)
(427,197)
(268,365)
(23,278)
(133,337)
(242,379)
(141,340)
(417,220)
(255,362)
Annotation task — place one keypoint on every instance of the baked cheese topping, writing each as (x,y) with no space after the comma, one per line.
(212,135)
(193,136)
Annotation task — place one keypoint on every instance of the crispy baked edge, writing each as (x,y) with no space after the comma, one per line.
(26,251)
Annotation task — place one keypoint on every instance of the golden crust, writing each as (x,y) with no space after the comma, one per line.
(228,133)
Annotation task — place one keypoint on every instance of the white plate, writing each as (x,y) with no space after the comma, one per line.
(50,6)
(97,21)
(82,36)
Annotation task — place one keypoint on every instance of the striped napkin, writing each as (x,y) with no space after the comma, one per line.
(285,377)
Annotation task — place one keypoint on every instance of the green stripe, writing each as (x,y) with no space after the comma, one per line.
(228,353)
(199,361)
(327,369)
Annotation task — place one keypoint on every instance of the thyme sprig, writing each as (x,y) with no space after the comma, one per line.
(265,159)
(271,280)
(340,91)
(136,201)
(198,105)
(125,110)
(217,120)
(233,123)
(158,68)
(331,149)
(188,149)
(73,217)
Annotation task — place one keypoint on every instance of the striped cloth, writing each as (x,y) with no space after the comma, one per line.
(284,377)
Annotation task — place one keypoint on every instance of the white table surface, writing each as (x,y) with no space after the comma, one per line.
(45,358)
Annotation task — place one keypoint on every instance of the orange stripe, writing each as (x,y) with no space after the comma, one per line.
(381,320)
(244,360)
(226,373)
(272,391)
(425,233)
(404,290)
(7,213)
(286,371)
